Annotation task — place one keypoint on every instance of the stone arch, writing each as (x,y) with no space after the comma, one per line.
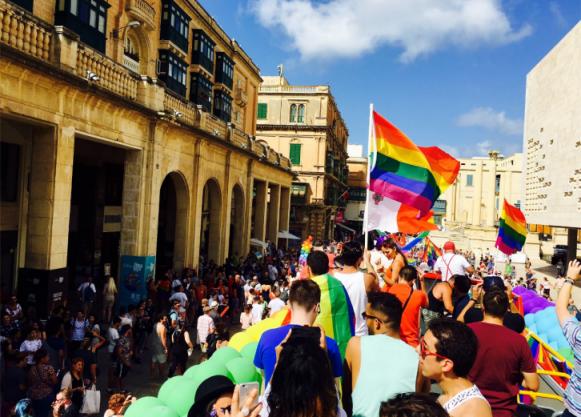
(237,216)
(210,230)
(137,37)
(172,222)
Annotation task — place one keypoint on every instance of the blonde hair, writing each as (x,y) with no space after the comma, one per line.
(110,287)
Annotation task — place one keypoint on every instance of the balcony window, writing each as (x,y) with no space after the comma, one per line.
(262,111)
(224,70)
(222,105)
(131,54)
(173,72)
(26,4)
(88,18)
(174,25)
(203,51)
(293,113)
(301,114)
(295,153)
(201,91)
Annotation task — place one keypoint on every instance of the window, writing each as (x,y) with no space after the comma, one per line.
(201,91)
(262,111)
(469,180)
(26,4)
(222,105)
(88,18)
(203,51)
(173,72)
(497,184)
(224,70)
(293,113)
(301,115)
(357,194)
(295,153)
(9,169)
(174,25)
(130,49)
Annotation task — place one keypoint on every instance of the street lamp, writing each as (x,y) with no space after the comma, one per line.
(132,24)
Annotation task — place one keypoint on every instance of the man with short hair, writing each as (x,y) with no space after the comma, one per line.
(451,263)
(87,292)
(158,345)
(412,302)
(504,360)
(304,299)
(257,309)
(276,304)
(205,327)
(447,353)
(368,383)
(63,405)
(180,296)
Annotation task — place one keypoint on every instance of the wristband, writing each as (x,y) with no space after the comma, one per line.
(569,281)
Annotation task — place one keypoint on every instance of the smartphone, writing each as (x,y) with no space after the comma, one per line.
(306,332)
(245,391)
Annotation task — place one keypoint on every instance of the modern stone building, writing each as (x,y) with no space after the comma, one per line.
(304,124)
(127,129)
(357,182)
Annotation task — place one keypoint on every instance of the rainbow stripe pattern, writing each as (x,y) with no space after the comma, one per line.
(431,251)
(512,230)
(408,173)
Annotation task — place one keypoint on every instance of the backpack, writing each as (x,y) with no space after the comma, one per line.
(88,294)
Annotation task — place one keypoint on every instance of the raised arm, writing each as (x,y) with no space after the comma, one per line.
(565,293)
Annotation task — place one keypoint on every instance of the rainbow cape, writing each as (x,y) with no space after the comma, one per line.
(512,230)
(336,317)
(404,172)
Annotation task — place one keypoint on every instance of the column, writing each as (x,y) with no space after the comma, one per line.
(284,217)
(273,213)
(260,210)
(477,196)
(133,172)
(491,203)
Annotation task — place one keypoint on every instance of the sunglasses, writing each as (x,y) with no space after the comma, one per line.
(425,352)
(370,317)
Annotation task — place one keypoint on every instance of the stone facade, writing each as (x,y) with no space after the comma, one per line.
(304,123)
(357,182)
(69,111)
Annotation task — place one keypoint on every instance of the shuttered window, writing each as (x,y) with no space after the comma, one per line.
(262,110)
(295,153)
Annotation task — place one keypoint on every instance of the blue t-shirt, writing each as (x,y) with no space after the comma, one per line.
(265,357)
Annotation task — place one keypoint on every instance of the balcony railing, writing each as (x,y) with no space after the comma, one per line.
(141,10)
(60,47)
(294,89)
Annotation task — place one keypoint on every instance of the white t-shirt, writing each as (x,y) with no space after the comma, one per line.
(379,261)
(451,264)
(112,337)
(205,326)
(181,297)
(275,305)
(30,346)
(245,320)
(257,310)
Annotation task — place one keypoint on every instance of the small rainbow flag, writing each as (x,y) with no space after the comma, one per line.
(431,251)
(512,230)
(404,172)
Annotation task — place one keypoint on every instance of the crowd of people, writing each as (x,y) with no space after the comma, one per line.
(411,332)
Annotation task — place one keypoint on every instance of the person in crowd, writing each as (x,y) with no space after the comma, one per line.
(31,345)
(246,317)
(218,338)
(158,345)
(217,397)
(412,303)
(508,268)
(112,338)
(74,382)
(180,345)
(366,383)
(180,295)
(447,353)
(358,284)
(118,404)
(79,327)
(64,405)
(41,382)
(123,354)
(440,299)
(304,299)
(572,332)
(275,304)
(89,360)
(97,341)
(87,293)
(460,294)
(452,263)
(174,313)
(23,408)
(14,381)
(257,309)
(412,405)
(14,310)
(109,294)
(398,260)
(205,327)
(504,361)
(378,262)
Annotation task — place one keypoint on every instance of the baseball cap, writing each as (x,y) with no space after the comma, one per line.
(449,245)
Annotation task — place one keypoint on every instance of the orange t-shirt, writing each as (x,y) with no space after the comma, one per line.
(410,321)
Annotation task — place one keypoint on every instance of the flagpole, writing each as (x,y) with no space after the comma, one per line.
(369,166)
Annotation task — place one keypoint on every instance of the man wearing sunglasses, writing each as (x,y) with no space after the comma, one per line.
(380,365)
(447,353)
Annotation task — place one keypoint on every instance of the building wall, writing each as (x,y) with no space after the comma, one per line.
(357,182)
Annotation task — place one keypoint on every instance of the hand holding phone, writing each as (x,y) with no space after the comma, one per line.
(246,391)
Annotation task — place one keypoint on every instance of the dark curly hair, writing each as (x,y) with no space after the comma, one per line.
(412,405)
(457,342)
(303,382)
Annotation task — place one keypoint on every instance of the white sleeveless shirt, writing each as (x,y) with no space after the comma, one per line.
(354,283)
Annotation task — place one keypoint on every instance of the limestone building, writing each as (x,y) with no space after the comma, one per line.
(304,124)
(127,130)
(357,182)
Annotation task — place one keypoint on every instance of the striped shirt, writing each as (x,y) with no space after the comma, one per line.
(572,332)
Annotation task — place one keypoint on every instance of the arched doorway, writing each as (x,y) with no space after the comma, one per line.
(236,222)
(172,223)
(210,230)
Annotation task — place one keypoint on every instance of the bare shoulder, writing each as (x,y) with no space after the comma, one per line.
(475,407)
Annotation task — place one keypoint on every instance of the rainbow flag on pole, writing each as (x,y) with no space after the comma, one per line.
(512,231)
(431,251)
(410,174)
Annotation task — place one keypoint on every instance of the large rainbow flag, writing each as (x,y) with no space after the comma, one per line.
(404,172)
(512,230)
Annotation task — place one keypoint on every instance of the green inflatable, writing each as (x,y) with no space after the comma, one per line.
(181,398)
(249,351)
(224,355)
(160,411)
(241,370)
(169,386)
(142,406)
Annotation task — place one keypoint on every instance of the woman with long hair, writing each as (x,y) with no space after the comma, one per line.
(41,382)
(109,294)
(390,248)
(303,383)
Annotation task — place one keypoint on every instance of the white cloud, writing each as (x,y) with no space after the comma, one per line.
(350,28)
(483,147)
(491,119)
(555,10)
(469,150)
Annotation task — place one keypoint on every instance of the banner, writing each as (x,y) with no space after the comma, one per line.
(135,272)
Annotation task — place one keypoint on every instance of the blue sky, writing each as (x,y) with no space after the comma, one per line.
(449,73)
